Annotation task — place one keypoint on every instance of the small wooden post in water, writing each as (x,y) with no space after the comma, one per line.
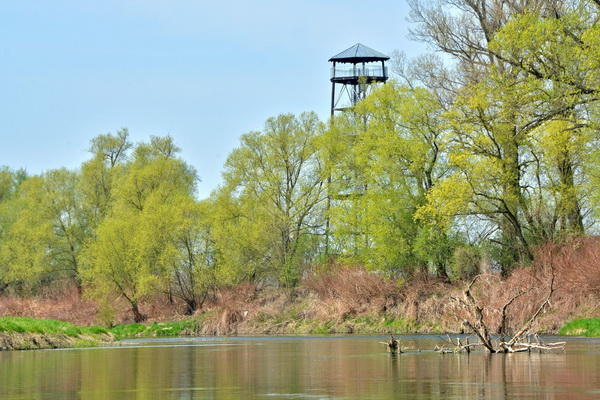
(394,345)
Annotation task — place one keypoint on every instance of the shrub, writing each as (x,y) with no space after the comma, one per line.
(465,264)
(347,291)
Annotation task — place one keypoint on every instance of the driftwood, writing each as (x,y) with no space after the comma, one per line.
(456,346)
(519,342)
(393,345)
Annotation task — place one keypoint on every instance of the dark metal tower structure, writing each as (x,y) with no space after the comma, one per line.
(355,69)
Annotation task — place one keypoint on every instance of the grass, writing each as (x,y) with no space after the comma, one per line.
(21,333)
(46,326)
(163,329)
(582,327)
(55,327)
(55,331)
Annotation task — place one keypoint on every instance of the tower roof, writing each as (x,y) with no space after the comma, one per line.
(359,53)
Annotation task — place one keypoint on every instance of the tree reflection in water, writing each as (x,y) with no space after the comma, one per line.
(282,368)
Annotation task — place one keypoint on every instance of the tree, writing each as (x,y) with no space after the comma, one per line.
(116,264)
(127,256)
(559,49)
(98,175)
(49,229)
(178,232)
(270,207)
(10,182)
(395,155)
(505,117)
(556,43)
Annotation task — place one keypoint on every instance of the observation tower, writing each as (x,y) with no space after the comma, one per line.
(355,71)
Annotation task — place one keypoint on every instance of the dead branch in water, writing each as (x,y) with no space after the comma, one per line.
(457,347)
(479,328)
(478,325)
(393,345)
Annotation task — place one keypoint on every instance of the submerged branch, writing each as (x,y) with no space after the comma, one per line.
(516,343)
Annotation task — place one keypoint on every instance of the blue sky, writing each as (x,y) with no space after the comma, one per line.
(204,72)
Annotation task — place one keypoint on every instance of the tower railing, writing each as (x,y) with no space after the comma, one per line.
(369,71)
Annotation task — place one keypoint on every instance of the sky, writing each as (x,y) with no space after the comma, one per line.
(204,72)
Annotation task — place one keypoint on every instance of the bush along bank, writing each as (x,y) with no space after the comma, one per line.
(20,333)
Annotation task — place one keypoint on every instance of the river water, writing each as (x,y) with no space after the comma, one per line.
(298,368)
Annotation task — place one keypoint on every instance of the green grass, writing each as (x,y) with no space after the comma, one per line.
(174,328)
(46,326)
(582,327)
(86,336)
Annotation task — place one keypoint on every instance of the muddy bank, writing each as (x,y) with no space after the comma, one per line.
(38,341)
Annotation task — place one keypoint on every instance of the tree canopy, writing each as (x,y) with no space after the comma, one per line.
(466,161)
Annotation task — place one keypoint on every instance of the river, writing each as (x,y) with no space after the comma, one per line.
(328,367)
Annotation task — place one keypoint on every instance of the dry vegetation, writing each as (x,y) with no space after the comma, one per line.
(346,292)
(575,269)
(349,299)
(61,302)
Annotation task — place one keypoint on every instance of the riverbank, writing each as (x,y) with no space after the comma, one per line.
(350,300)
(341,300)
(17,333)
(589,327)
(20,333)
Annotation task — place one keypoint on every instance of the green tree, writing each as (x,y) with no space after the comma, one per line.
(557,43)
(116,263)
(109,155)
(178,233)
(127,257)
(395,154)
(49,229)
(520,80)
(270,207)
(560,49)
(10,183)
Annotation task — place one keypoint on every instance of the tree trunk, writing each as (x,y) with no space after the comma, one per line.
(569,204)
(192,306)
(137,315)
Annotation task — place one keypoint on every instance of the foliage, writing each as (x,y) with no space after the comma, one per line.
(269,210)
(466,263)
(520,111)
(129,256)
(46,237)
(99,174)
(479,156)
(395,149)
(582,327)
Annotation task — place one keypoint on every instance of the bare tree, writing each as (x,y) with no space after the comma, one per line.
(507,343)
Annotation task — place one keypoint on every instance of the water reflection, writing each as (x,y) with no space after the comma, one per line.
(292,368)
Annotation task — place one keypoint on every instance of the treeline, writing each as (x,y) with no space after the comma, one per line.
(468,161)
